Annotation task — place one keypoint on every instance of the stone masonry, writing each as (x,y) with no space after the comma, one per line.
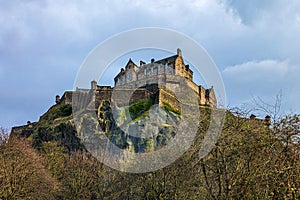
(167,80)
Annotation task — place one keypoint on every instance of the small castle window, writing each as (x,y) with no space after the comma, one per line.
(130,77)
(158,68)
(167,65)
(145,72)
(152,70)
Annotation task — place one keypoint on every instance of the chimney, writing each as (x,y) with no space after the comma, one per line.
(94,85)
(142,63)
(179,53)
(252,116)
(152,60)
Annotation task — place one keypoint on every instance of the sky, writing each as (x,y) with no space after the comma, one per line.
(255,45)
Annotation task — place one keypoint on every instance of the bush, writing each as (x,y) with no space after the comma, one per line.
(63,110)
(139,108)
(169,108)
(66,110)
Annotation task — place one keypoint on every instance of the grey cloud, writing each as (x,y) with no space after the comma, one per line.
(43,43)
(264,79)
(248,11)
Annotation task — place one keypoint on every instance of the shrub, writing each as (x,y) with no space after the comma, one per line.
(63,110)
(169,108)
(66,110)
(139,108)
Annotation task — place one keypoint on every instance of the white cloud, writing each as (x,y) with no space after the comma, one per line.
(264,79)
(254,71)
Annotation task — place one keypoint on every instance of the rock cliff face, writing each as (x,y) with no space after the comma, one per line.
(141,127)
(55,125)
(150,130)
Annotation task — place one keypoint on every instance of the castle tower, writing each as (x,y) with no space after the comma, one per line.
(179,64)
(94,85)
(179,53)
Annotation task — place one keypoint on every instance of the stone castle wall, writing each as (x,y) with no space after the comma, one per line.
(202,93)
(161,80)
(173,65)
(146,72)
(170,73)
(193,86)
(119,96)
(167,97)
(159,90)
(67,97)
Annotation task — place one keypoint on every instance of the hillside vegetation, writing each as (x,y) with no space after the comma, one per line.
(251,160)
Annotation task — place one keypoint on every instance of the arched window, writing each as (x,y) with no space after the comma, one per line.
(167,65)
(158,68)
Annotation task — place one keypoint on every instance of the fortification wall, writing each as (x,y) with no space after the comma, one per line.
(202,95)
(165,96)
(67,97)
(121,96)
(211,99)
(81,99)
(172,89)
(193,86)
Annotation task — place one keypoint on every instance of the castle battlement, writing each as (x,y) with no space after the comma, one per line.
(167,80)
(169,73)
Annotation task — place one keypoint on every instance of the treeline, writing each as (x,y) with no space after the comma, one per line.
(251,160)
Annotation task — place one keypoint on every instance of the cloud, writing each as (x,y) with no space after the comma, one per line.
(258,11)
(248,11)
(43,43)
(271,30)
(264,79)
(254,71)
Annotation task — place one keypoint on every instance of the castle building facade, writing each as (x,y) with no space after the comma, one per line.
(168,80)
(170,73)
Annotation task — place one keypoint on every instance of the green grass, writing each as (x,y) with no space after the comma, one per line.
(189,102)
(139,108)
(169,108)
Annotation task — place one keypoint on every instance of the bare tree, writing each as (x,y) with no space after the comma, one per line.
(22,172)
(3,135)
(272,109)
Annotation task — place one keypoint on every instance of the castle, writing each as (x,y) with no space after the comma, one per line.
(167,80)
